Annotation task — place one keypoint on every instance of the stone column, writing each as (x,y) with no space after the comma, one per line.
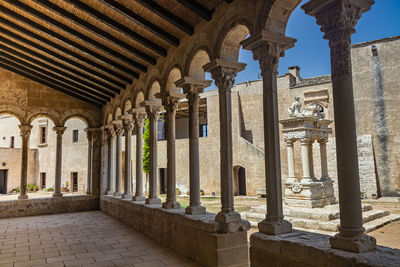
(139,118)
(89,135)
(305,159)
(337,19)
(324,160)
(311,159)
(224,74)
(25,132)
(111,171)
(291,165)
(153,109)
(127,123)
(192,88)
(267,48)
(57,186)
(171,101)
(118,157)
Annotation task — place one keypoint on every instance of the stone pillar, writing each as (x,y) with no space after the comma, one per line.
(127,123)
(324,160)
(337,19)
(224,74)
(305,159)
(139,117)
(267,48)
(171,101)
(118,157)
(192,88)
(153,109)
(291,164)
(111,170)
(311,159)
(25,132)
(89,135)
(57,186)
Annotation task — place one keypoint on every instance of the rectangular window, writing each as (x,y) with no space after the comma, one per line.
(75,136)
(161,133)
(12,142)
(42,180)
(203,130)
(43,135)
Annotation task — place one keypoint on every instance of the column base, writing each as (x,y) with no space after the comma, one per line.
(57,194)
(195,210)
(117,194)
(228,217)
(138,198)
(23,197)
(153,200)
(127,196)
(110,193)
(274,228)
(360,244)
(171,205)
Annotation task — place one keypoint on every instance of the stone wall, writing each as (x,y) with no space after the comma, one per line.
(306,249)
(43,206)
(196,237)
(10,160)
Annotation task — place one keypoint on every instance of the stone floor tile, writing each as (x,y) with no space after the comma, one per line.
(30,263)
(149,264)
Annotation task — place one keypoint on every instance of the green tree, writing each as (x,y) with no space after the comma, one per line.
(146,146)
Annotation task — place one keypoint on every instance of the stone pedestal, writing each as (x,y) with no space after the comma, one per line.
(309,192)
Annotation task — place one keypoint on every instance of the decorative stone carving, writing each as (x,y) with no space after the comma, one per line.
(294,109)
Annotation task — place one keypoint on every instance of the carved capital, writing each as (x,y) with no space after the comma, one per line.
(267,48)
(127,125)
(170,104)
(139,119)
(338,19)
(153,112)
(59,130)
(224,73)
(119,129)
(25,130)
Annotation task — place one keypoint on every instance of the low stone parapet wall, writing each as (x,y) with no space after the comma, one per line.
(197,237)
(302,249)
(43,206)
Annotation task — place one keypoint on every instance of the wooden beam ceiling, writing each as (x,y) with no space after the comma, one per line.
(92,49)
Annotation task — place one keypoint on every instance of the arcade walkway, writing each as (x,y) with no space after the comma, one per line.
(79,239)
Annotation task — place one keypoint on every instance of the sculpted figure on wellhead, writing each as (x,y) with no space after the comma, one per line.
(315,110)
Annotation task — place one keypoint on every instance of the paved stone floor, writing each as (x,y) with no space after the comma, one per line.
(80,239)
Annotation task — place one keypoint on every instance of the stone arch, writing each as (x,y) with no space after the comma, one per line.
(127,106)
(117,113)
(233,34)
(153,89)
(174,74)
(13,111)
(88,118)
(279,14)
(201,57)
(139,98)
(49,114)
(109,118)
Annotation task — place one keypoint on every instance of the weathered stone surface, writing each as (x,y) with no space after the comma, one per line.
(197,237)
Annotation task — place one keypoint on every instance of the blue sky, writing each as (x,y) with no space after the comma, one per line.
(311,51)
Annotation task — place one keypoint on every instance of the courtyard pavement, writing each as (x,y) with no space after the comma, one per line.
(80,239)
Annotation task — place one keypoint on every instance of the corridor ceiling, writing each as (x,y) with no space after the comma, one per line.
(91,49)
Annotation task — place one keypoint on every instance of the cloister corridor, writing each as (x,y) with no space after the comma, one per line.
(80,239)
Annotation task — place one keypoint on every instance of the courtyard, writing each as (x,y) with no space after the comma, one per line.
(80,239)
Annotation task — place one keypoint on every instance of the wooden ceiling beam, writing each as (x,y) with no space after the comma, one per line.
(197,8)
(118,27)
(21,71)
(45,66)
(141,21)
(22,30)
(69,30)
(100,33)
(50,52)
(229,1)
(69,42)
(168,16)
(53,76)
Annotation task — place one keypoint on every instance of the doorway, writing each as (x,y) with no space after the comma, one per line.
(163,180)
(42,180)
(239,181)
(3,181)
(74,182)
